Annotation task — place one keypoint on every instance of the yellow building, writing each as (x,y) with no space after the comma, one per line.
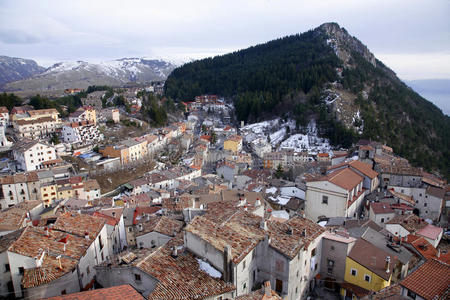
(233,143)
(367,269)
(48,193)
(65,192)
(128,150)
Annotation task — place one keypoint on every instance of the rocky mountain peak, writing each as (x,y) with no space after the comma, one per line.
(344,44)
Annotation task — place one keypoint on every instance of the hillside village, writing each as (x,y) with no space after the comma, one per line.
(101,202)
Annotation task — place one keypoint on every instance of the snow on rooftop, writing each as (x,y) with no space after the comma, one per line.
(280,199)
(272,190)
(282,214)
(323,223)
(208,269)
(277,136)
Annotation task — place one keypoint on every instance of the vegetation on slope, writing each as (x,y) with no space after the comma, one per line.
(293,71)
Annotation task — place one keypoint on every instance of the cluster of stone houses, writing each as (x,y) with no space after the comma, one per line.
(210,223)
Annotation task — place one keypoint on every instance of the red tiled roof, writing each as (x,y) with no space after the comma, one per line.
(140,210)
(381,208)
(410,222)
(235,232)
(372,258)
(430,281)
(163,225)
(290,243)
(120,292)
(430,231)
(358,291)
(79,224)
(345,178)
(425,248)
(180,277)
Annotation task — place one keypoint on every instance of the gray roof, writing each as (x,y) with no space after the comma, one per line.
(128,214)
(129,142)
(380,241)
(76,203)
(45,174)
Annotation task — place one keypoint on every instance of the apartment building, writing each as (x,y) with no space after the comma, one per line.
(31,154)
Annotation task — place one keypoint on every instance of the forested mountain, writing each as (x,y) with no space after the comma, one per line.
(330,76)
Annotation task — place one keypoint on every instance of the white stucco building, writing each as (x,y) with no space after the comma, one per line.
(30,154)
(338,194)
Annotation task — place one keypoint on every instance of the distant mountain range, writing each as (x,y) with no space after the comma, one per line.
(13,69)
(26,75)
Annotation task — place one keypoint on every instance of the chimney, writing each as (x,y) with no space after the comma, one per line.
(387,265)
(46,231)
(227,270)
(438,255)
(140,227)
(174,252)
(267,289)
(148,217)
(258,203)
(86,236)
(289,231)
(263,225)
(59,262)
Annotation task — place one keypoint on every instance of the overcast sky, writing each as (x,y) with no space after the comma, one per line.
(412,36)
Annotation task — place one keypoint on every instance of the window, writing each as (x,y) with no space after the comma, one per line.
(7,269)
(382,220)
(137,277)
(219,298)
(88,270)
(244,286)
(21,270)
(425,204)
(130,229)
(313,252)
(332,248)
(353,272)
(330,266)
(297,273)
(324,199)
(243,265)
(63,292)
(411,294)
(367,277)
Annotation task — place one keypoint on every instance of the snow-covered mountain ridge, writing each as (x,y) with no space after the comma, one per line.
(80,74)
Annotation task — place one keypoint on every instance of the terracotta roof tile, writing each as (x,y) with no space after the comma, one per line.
(119,292)
(180,277)
(372,258)
(430,281)
(79,224)
(381,208)
(161,224)
(410,222)
(13,218)
(236,232)
(345,178)
(288,237)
